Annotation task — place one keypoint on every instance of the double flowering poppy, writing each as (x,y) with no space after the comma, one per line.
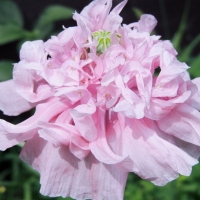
(102,110)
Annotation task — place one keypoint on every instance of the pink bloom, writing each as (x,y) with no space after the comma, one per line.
(101,111)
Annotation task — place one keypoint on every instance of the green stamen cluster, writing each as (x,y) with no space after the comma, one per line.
(104,41)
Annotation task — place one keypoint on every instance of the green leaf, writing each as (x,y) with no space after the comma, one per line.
(137,12)
(164,18)
(186,53)
(6,68)
(45,32)
(52,14)
(176,40)
(10,13)
(195,67)
(10,33)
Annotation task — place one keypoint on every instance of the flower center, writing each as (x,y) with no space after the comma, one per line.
(104,41)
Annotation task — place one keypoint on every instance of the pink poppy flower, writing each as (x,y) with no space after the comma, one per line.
(101,110)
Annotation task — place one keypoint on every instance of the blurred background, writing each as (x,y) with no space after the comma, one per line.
(22,20)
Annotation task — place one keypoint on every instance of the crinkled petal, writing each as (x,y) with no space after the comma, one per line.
(11,103)
(32,51)
(114,134)
(97,12)
(182,122)
(100,147)
(64,134)
(54,133)
(78,152)
(117,9)
(64,175)
(170,68)
(146,23)
(27,129)
(158,108)
(85,124)
(82,116)
(27,83)
(195,100)
(154,158)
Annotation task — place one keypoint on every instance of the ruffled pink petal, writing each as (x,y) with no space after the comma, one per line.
(99,65)
(117,9)
(64,175)
(108,95)
(74,94)
(54,133)
(143,78)
(170,68)
(64,117)
(97,12)
(195,100)
(108,78)
(114,134)
(182,122)
(120,84)
(65,36)
(140,51)
(112,23)
(55,77)
(154,158)
(85,124)
(100,147)
(64,134)
(158,108)
(82,116)
(114,57)
(13,134)
(135,110)
(11,103)
(28,84)
(146,23)
(79,141)
(125,41)
(32,51)
(78,152)
(190,149)
(84,31)
(60,43)
(166,90)
(8,141)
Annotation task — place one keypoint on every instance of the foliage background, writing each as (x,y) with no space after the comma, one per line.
(22,20)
